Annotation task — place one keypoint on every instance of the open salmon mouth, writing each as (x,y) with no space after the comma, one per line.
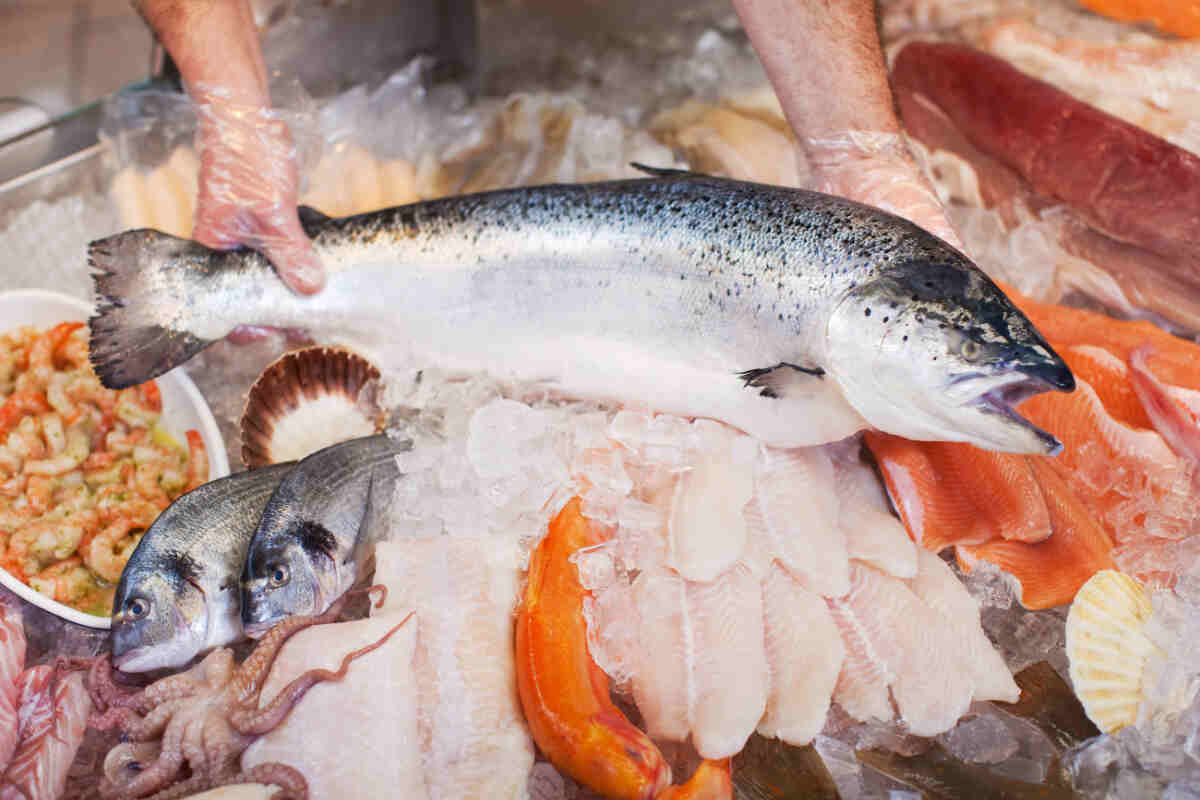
(1003,400)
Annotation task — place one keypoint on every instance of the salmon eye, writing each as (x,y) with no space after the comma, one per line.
(279,575)
(970,349)
(137,608)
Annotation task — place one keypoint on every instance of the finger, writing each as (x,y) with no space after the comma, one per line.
(292,254)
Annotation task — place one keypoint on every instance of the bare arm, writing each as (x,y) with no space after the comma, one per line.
(248,184)
(825,61)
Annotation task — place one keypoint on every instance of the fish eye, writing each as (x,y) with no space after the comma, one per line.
(137,608)
(970,349)
(278,575)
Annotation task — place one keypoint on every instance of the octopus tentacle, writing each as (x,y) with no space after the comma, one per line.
(116,716)
(163,770)
(102,686)
(290,781)
(173,687)
(257,721)
(148,727)
(254,669)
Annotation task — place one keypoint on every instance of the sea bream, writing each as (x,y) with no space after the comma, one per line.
(317,530)
(796,316)
(180,593)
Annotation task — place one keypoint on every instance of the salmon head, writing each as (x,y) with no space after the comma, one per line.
(934,350)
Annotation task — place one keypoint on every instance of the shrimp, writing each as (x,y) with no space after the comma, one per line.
(67,581)
(39,491)
(75,450)
(41,352)
(52,433)
(18,405)
(73,352)
(42,542)
(197,472)
(108,551)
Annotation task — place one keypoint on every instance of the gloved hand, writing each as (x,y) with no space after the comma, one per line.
(249,185)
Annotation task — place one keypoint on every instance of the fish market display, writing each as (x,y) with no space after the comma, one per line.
(565,695)
(205,718)
(472,738)
(795,316)
(180,594)
(1132,199)
(317,530)
(377,750)
(1118,495)
(44,713)
(85,469)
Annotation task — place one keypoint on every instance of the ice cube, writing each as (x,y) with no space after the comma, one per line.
(984,739)
(842,764)
(545,783)
(1186,789)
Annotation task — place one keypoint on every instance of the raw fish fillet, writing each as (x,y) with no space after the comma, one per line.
(942,591)
(54,716)
(949,493)
(238,791)
(930,680)
(873,535)
(793,519)
(12,661)
(706,532)
(662,673)
(804,656)
(1050,572)
(729,662)
(464,589)
(356,737)
(1124,181)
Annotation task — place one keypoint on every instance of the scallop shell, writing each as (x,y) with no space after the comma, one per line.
(306,400)
(1107,647)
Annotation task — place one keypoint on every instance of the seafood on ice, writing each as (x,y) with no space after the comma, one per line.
(1122,493)
(796,316)
(187,731)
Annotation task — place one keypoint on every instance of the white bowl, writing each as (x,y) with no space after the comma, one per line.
(183,409)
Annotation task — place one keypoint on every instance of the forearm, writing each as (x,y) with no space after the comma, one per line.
(825,62)
(215,45)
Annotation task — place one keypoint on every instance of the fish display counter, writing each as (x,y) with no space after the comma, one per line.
(533,522)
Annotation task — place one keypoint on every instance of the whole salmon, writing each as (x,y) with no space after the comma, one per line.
(796,316)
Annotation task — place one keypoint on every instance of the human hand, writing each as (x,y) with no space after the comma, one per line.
(878,170)
(249,185)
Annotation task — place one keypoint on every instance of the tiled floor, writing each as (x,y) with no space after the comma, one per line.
(62,54)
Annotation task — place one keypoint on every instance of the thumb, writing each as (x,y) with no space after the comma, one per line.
(292,254)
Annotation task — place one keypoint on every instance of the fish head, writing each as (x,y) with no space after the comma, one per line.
(934,350)
(294,572)
(158,621)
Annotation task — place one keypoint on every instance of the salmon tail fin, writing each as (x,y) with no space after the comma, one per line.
(143,300)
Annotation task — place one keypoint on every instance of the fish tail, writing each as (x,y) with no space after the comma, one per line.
(142,303)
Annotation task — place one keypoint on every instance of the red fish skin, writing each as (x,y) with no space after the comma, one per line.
(54,714)
(12,661)
(1126,182)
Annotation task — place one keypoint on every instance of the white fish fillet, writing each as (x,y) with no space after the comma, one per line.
(662,675)
(804,657)
(793,518)
(938,587)
(706,532)
(464,589)
(730,662)
(872,534)
(930,682)
(336,735)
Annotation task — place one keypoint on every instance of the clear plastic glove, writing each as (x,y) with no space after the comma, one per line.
(877,169)
(248,187)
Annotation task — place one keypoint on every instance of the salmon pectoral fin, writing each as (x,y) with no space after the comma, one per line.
(779,380)
(1050,572)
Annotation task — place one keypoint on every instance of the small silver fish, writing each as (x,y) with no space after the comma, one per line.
(179,595)
(315,533)
(796,316)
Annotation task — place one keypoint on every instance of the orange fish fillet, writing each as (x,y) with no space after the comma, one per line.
(1050,572)
(949,493)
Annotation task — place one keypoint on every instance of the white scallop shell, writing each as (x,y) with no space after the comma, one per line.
(1107,647)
